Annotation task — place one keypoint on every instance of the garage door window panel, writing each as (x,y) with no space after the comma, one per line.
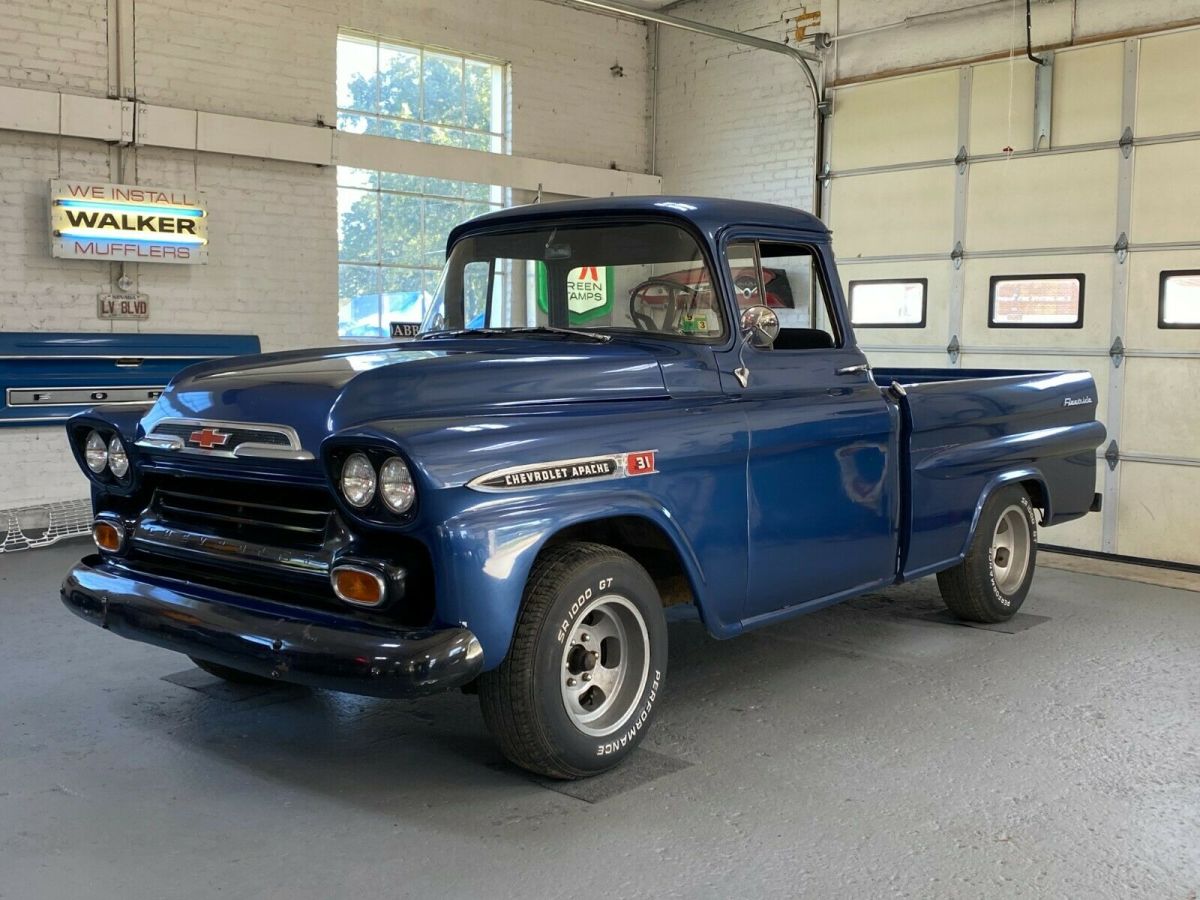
(1179,299)
(883,303)
(1036,301)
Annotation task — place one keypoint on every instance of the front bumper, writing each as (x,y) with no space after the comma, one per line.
(270,639)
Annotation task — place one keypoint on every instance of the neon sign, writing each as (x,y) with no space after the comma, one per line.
(130,223)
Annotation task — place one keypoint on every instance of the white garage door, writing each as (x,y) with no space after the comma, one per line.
(961,244)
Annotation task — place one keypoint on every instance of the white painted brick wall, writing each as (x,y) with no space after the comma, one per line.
(59,45)
(733,122)
(567,106)
(272,258)
(930,37)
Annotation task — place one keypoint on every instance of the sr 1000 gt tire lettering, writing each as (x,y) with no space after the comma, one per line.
(991,582)
(578,689)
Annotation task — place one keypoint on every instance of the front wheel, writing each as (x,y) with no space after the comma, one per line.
(577,691)
(991,582)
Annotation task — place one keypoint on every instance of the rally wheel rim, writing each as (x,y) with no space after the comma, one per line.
(604,665)
(1011,545)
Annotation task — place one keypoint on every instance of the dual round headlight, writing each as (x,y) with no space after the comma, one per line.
(360,481)
(100,454)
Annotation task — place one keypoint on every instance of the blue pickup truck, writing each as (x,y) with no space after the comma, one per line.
(614,406)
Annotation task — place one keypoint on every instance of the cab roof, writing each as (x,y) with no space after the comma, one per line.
(707,214)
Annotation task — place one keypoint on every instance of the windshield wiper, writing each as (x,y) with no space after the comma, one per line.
(532,329)
(573,332)
(463,332)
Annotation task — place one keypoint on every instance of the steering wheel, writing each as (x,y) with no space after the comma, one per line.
(747,289)
(671,305)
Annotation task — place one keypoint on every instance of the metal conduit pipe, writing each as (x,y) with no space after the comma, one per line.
(927,18)
(803,57)
(747,40)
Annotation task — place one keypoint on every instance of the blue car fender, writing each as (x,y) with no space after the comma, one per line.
(487,551)
(1022,475)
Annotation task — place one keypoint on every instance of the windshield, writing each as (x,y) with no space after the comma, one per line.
(639,278)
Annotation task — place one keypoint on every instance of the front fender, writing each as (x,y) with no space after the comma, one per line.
(485,555)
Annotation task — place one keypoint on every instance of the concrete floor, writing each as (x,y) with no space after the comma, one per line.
(864,751)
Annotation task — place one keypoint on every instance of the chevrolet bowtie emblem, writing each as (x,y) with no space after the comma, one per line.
(207,438)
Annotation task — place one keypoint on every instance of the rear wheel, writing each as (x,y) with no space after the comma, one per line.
(576,693)
(991,582)
(234,676)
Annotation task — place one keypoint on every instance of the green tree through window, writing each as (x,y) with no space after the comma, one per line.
(392,227)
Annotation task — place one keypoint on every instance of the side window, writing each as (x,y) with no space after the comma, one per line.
(787,278)
(792,286)
(477,288)
(742,257)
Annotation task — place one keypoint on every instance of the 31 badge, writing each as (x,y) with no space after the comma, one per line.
(640,463)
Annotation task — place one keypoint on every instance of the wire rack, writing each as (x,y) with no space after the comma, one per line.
(30,527)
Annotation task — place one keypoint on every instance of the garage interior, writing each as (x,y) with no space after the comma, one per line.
(958,150)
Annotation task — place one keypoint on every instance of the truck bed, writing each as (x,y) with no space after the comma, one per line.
(959,427)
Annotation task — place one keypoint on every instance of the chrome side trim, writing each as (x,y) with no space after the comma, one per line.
(268,451)
(124,395)
(559,472)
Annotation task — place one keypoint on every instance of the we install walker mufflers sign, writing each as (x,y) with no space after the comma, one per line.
(127,223)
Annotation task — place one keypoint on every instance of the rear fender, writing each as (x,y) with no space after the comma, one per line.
(1030,473)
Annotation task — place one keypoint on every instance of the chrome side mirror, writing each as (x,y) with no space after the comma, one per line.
(760,326)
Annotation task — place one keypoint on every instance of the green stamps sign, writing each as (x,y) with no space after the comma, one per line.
(589,292)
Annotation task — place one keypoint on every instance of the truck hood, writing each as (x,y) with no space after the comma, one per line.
(318,392)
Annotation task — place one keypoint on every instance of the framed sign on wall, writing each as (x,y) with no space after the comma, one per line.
(127,223)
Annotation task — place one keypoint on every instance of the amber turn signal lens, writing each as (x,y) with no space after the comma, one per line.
(359,586)
(107,536)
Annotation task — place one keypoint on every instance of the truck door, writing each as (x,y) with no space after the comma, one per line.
(821,476)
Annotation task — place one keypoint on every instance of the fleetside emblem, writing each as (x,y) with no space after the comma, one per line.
(568,471)
(1078,401)
(207,438)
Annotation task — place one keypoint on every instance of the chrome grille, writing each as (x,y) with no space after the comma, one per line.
(231,440)
(237,436)
(292,518)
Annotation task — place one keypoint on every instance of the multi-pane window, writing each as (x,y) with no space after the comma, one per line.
(418,94)
(392,244)
(392,227)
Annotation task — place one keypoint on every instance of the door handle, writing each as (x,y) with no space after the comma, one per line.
(853,370)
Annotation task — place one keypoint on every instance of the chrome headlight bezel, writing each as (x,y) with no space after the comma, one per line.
(118,457)
(396,486)
(358,470)
(95,452)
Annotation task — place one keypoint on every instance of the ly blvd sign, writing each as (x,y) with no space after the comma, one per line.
(127,223)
